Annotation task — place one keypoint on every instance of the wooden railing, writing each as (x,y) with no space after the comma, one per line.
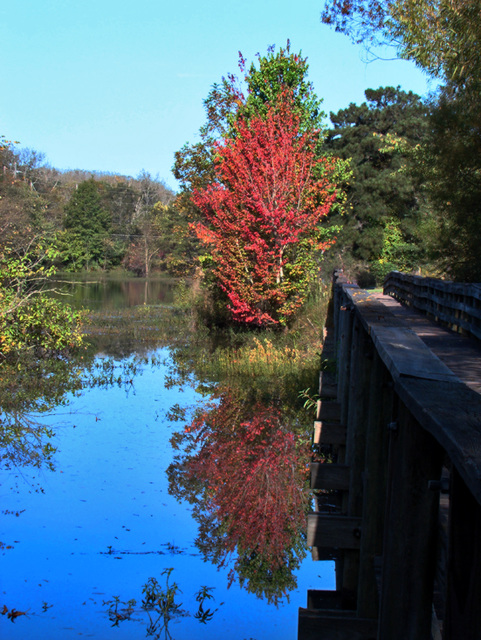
(455,304)
(397,480)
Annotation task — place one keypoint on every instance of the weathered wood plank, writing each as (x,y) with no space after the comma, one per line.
(329,433)
(333,531)
(329,476)
(462,355)
(402,351)
(405,354)
(314,625)
(327,390)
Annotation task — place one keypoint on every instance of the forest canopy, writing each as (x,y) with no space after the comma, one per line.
(443,39)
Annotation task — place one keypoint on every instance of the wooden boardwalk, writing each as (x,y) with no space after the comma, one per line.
(396,471)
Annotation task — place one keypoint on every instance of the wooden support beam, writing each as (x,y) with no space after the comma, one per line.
(320,554)
(327,387)
(328,410)
(329,433)
(463,602)
(333,531)
(409,553)
(381,402)
(329,476)
(336,625)
(357,418)
(346,319)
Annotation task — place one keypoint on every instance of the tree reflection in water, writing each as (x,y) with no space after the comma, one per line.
(33,387)
(242,465)
(29,391)
(240,462)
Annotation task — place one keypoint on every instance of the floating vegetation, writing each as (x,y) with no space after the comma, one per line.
(160,603)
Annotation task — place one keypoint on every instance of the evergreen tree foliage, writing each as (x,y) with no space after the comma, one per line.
(451,169)
(383,191)
(87,223)
(84,212)
(443,38)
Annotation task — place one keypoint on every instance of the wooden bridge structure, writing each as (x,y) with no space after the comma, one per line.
(396,469)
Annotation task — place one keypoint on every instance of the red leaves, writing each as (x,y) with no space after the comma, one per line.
(13,614)
(270,195)
(253,475)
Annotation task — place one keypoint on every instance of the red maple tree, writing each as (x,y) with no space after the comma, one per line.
(247,471)
(262,215)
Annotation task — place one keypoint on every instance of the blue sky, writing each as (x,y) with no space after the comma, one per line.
(118,86)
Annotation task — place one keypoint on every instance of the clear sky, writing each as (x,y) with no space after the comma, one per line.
(117,85)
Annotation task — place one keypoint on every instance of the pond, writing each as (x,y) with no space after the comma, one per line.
(121,516)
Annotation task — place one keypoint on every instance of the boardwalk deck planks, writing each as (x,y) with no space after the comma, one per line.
(408,396)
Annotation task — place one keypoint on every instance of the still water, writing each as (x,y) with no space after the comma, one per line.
(103,523)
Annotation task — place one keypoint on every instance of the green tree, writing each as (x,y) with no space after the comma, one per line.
(31,323)
(87,225)
(450,165)
(383,188)
(37,337)
(441,36)
(273,74)
(443,39)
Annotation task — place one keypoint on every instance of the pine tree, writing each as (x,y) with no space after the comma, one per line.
(87,223)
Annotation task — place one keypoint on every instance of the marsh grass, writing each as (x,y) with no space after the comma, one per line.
(271,354)
(273,362)
(262,356)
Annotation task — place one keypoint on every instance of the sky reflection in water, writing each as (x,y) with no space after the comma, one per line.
(106,523)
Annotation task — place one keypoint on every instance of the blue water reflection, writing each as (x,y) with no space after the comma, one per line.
(105,523)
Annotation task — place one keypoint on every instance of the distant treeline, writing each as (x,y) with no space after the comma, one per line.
(93,220)
(397,213)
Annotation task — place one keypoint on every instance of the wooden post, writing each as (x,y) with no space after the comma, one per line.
(409,553)
(333,531)
(346,319)
(375,482)
(463,603)
(337,295)
(357,405)
(358,411)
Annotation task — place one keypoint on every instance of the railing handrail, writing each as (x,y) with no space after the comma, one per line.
(455,304)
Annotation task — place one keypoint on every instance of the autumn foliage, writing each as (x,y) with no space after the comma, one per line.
(262,215)
(248,472)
